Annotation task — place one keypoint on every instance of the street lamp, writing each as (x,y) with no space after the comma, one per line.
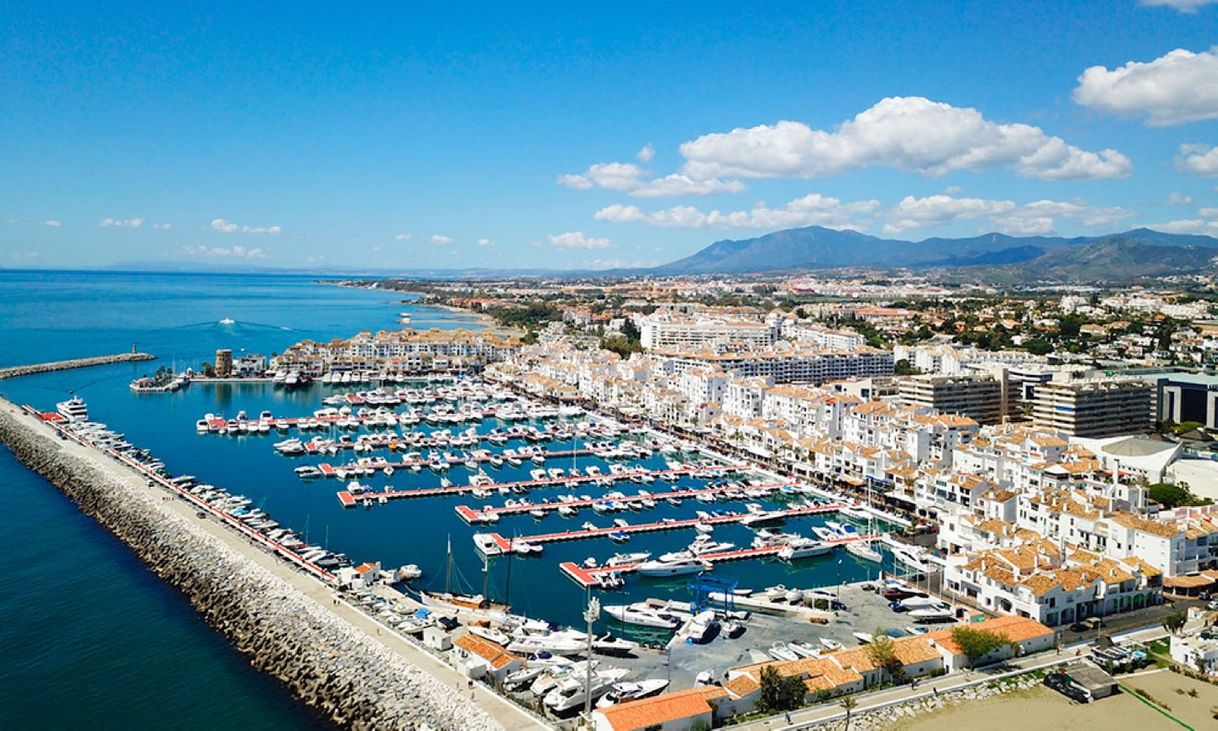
(591,614)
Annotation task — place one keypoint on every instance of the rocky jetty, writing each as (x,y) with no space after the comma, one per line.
(347,676)
(64,365)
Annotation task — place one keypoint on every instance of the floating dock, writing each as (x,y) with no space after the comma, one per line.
(587,577)
(661,525)
(350,500)
(471,515)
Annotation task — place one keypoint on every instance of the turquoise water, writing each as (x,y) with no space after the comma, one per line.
(96,587)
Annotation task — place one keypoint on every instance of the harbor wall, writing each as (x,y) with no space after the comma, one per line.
(347,676)
(64,365)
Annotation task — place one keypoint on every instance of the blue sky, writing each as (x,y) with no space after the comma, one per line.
(510,135)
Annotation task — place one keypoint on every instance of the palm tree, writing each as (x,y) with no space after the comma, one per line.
(848,703)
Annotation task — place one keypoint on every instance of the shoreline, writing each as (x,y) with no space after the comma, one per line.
(330,655)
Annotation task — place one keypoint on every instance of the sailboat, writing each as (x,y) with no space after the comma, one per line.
(864,549)
(455,600)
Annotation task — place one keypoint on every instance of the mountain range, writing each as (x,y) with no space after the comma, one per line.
(1133,254)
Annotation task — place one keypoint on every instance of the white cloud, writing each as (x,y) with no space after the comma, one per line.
(936,210)
(1198,160)
(403,237)
(1188,226)
(611,175)
(906,133)
(1179,87)
(1178,199)
(235,252)
(679,184)
(647,154)
(485,242)
(1184,6)
(228,227)
(577,240)
(441,239)
(52,223)
(162,226)
(1040,217)
(809,210)
(121,222)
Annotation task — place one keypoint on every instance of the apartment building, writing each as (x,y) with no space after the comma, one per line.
(977,397)
(1093,407)
(660,331)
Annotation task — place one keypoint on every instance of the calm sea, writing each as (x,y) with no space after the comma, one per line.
(90,638)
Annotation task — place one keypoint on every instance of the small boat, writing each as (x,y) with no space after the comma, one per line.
(610,644)
(830,644)
(779,651)
(493,635)
(864,638)
(861,549)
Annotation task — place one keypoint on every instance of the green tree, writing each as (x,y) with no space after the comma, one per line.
(779,693)
(1037,346)
(1173,623)
(848,703)
(1173,496)
(977,643)
(904,368)
(883,652)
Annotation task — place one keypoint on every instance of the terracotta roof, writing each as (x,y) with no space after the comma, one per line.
(487,650)
(661,709)
(1016,629)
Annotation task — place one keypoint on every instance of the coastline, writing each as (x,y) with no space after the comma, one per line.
(332,656)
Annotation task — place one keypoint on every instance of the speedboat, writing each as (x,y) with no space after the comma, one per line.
(493,635)
(610,644)
(830,644)
(864,638)
(780,651)
(626,692)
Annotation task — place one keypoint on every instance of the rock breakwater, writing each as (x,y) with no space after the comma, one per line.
(347,676)
(64,365)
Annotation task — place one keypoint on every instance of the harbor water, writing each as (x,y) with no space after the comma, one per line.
(89,637)
(177,317)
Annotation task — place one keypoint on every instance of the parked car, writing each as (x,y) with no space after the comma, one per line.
(1213,604)
(1089,624)
(1064,685)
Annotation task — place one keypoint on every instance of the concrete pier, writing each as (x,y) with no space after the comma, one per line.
(65,365)
(287,623)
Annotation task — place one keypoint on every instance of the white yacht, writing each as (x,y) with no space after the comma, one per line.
(642,614)
(628,691)
(801,547)
(74,409)
(680,567)
(571,693)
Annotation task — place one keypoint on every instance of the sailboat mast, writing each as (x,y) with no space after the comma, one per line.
(448,568)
